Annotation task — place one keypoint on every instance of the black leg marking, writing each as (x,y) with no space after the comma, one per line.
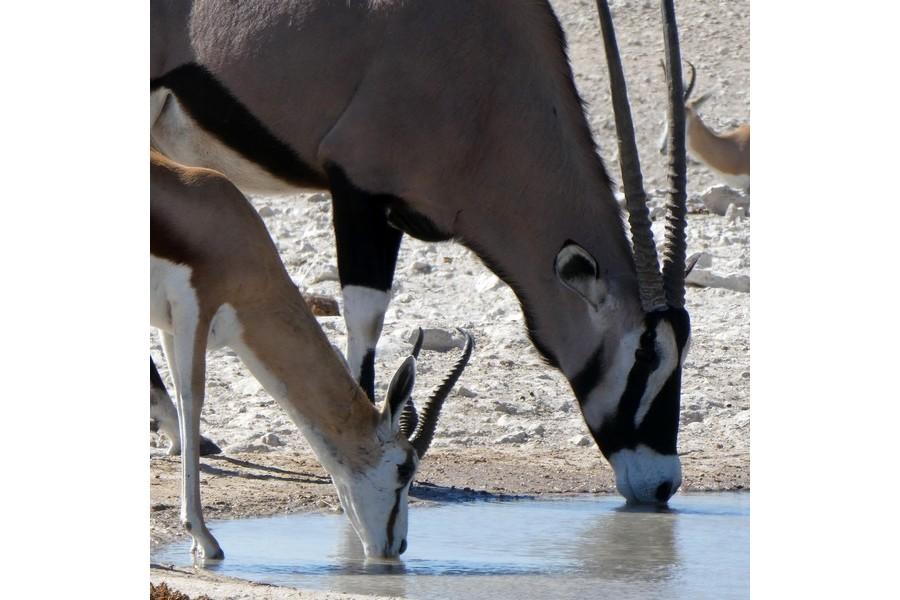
(367,245)
(367,375)
(217,111)
(155,380)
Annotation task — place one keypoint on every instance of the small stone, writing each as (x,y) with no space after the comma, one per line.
(706,278)
(718,198)
(271,439)
(266,211)
(329,273)
(512,438)
(487,283)
(466,392)
(580,440)
(318,198)
(506,407)
(438,340)
(536,429)
(420,267)
(322,306)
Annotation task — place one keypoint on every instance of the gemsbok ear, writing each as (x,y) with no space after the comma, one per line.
(398,393)
(577,270)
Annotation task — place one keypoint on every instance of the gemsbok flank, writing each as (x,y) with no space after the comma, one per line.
(726,154)
(451,120)
(216,279)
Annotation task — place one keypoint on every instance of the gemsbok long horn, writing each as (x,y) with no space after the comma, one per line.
(676,205)
(646,261)
(409,419)
(428,422)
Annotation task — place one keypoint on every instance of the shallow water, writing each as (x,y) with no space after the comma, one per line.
(574,548)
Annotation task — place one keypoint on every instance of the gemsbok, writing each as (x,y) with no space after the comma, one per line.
(451,120)
(216,279)
(726,154)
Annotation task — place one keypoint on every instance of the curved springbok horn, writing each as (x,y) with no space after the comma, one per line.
(425,433)
(673,270)
(690,85)
(409,418)
(645,260)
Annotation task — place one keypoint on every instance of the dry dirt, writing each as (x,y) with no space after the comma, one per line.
(512,425)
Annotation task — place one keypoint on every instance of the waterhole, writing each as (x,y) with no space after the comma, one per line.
(574,548)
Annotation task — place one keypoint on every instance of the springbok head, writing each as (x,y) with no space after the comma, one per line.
(690,106)
(375,498)
(630,390)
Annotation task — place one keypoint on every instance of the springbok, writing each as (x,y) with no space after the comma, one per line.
(216,279)
(449,120)
(726,154)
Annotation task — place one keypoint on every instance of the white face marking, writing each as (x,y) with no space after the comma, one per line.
(364,310)
(641,471)
(178,136)
(603,400)
(667,351)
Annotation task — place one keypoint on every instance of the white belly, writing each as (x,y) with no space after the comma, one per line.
(180,138)
(170,284)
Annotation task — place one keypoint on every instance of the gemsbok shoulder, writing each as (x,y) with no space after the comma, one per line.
(727,154)
(216,279)
(451,120)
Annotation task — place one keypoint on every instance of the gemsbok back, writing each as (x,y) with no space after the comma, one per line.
(216,279)
(451,120)
(727,154)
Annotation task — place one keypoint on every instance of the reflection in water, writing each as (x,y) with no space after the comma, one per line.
(576,548)
(628,545)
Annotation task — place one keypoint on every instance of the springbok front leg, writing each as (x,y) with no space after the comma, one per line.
(367,248)
(186,354)
(164,414)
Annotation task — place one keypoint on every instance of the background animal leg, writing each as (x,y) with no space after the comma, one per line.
(165,416)
(367,248)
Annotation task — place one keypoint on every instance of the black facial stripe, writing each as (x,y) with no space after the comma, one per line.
(217,111)
(393,519)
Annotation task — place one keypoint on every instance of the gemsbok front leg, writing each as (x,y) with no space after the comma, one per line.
(367,248)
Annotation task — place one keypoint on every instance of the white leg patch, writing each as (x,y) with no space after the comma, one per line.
(364,310)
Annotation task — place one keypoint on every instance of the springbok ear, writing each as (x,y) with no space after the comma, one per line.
(398,393)
(577,270)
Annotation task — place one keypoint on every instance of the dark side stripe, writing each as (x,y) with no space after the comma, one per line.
(217,111)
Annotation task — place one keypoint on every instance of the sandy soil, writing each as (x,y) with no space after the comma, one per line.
(512,425)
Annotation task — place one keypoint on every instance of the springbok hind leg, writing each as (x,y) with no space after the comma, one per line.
(367,250)
(189,353)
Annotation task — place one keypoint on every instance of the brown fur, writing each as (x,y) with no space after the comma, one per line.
(198,218)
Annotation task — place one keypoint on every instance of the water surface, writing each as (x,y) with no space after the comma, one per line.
(573,548)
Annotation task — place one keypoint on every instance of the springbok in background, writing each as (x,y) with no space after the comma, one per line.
(726,154)
(449,120)
(216,279)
